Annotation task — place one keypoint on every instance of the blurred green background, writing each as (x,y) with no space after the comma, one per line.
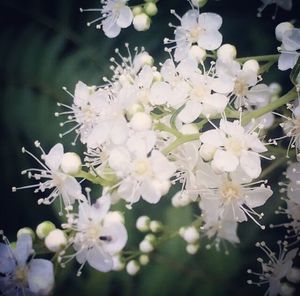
(45,45)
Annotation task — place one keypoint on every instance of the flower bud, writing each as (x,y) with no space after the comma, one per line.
(44,228)
(145,246)
(132,267)
(144,259)
(281,29)
(151,238)
(192,249)
(207,151)
(251,65)
(275,89)
(150,8)
(197,53)
(26,230)
(71,163)
(141,121)
(56,240)
(199,3)
(118,264)
(137,10)
(155,226)
(226,52)
(157,76)
(180,199)
(162,186)
(141,22)
(142,223)
(189,234)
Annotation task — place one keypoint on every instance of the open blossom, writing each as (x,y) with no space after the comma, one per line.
(22,275)
(233,146)
(276,269)
(143,170)
(115,14)
(98,116)
(230,197)
(99,235)
(60,184)
(289,49)
(195,28)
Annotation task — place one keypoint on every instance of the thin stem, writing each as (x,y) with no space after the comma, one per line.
(262,58)
(162,127)
(291,95)
(179,141)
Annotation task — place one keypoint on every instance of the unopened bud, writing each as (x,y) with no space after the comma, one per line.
(71,163)
(150,8)
(56,240)
(44,228)
(142,223)
(132,267)
(141,22)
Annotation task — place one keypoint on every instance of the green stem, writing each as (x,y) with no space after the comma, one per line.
(162,127)
(291,95)
(92,178)
(262,58)
(181,140)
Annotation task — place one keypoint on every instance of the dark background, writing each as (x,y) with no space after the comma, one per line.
(45,45)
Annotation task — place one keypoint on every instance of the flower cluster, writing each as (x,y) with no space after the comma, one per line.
(196,122)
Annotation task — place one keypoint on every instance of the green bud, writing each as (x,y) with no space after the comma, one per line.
(155,226)
(44,228)
(199,3)
(144,259)
(150,8)
(137,10)
(26,230)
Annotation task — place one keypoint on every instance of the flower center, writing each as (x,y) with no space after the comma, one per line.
(199,92)
(234,145)
(240,88)
(93,232)
(230,191)
(21,275)
(195,34)
(142,167)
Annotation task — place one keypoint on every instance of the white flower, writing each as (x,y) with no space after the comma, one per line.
(22,275)
(115,14)
(289,50)
(56,240)
(195,28)
(98,235)
(234,147)
(230,197)
(144,171)
(275,269)
(61,184)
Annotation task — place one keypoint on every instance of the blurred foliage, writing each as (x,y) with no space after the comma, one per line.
(45,45)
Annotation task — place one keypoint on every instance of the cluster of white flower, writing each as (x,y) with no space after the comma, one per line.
(116,15)
(197,120)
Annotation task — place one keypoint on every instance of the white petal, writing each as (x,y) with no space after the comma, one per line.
(7,262)
(190,112)
(287,60)
(110,28)
(250,163)
(189,19)
(232,128)
(225,161)
(99,260)
(40,276)
(81,94)
(210,21)
(118,234)
(210,40)
(213,138)
(291,39)
(23,249)
(161,166)
(159,93)
(118,131)
(125,17)
(258,196)
(54,157)
(150,193)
